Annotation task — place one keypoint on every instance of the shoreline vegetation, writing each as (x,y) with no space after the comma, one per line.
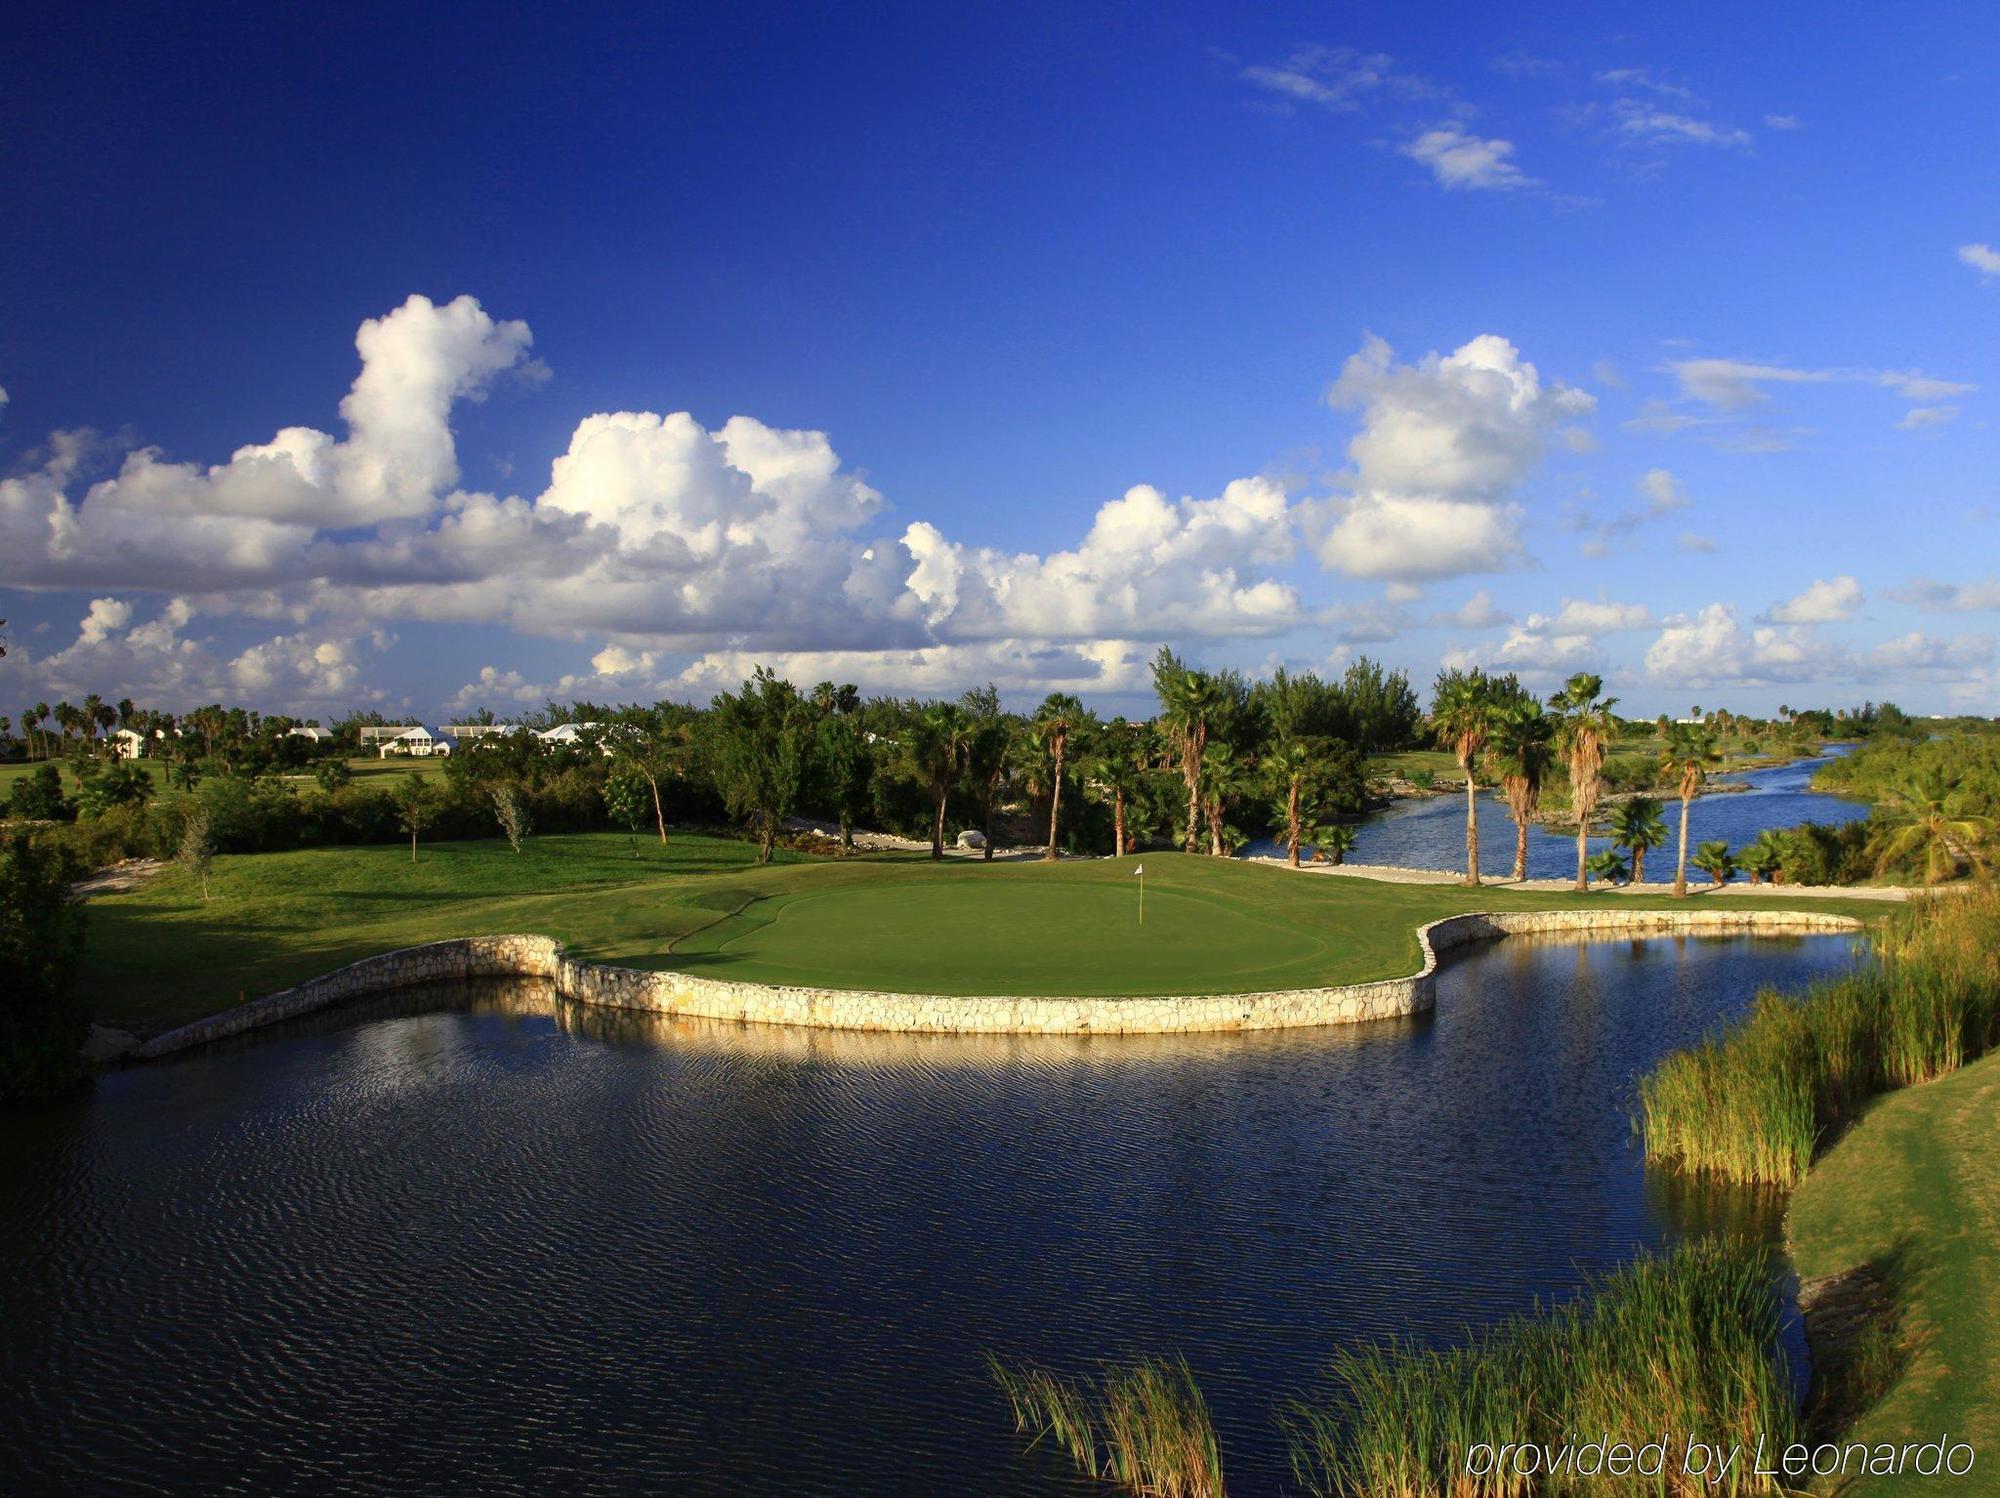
(1872,1098)
(1760,1100)
(1681,1348)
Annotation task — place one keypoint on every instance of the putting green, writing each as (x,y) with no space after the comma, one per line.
(1046,934)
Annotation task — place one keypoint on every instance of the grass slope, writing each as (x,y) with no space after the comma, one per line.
(1916,1185)
(159,955)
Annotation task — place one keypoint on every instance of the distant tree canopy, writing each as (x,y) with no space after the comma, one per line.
(1217,759)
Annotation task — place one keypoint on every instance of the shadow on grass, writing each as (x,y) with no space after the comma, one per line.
(1855,1331)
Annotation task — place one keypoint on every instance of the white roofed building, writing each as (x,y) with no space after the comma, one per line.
(420,743)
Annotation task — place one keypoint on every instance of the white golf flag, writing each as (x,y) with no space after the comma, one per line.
(1138,868)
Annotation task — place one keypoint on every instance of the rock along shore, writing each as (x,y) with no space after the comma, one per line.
(679,993)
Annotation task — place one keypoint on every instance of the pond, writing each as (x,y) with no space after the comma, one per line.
(1429,832)
(481,1239)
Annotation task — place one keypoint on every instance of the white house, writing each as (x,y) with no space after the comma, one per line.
(419,742)
(128,744)
(383,733)
(473,734)
(568,735)
(311,731)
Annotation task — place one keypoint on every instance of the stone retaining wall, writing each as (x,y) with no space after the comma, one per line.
(856,1009)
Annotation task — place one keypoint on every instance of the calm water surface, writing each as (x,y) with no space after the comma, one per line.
(1430,833)
(477,1239)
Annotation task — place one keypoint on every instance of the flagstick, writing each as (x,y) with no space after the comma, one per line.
(1142,894)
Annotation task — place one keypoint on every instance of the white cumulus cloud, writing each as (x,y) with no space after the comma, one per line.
(1981,257)
(1444,443)
(1825,601)
(1458,159)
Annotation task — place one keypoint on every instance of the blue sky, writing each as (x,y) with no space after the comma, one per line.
(924,350)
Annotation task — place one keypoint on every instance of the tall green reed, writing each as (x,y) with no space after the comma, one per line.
(1758,1101)
(1673,1348)
(1142,1426)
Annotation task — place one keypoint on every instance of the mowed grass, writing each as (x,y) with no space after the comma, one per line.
(363,768)
(1914,1189)
(160,955)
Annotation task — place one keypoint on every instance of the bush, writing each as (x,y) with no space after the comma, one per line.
(1818,853)
(119,832)
(120,782)
(38,797)
(43,1023)
(248,815)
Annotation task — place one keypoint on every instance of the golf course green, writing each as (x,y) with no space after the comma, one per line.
(1037,931)
(160,955)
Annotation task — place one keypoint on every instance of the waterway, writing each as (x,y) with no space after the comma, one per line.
(480,1239)
(1429,832)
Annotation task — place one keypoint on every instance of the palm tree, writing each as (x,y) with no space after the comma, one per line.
(1762,857)
(1521,754)
(935,745)
(987,754)
(1713,858)
(1462,712)
(1587,724)
(1334,841)
(1224,781)
(99,716)
(1607,866)
(1689,756)
(1117,774)
(1188,700)
(1059,716)
(1292,768)
(1638,825)
(1929,817)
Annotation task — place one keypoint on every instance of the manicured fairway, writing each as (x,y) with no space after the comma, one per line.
(1916,1186)
(1026,931)
(160,955)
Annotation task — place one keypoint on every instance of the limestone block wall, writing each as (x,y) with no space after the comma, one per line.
(855,1009)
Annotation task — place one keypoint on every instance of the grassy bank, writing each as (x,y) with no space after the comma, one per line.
(160,955)
(1913,1193)
(1757,1102)
(1672,1349)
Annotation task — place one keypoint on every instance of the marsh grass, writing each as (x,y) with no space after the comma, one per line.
(1143,1426)
(1756,1102)
(1679,1346)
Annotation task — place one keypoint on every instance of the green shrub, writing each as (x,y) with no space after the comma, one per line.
(117,783)
(38,797)
(43,1023)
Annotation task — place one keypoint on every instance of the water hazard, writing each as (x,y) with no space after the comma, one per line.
(1429,833)
(482,1240)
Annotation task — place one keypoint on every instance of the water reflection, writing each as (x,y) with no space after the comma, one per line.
(479,1237)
